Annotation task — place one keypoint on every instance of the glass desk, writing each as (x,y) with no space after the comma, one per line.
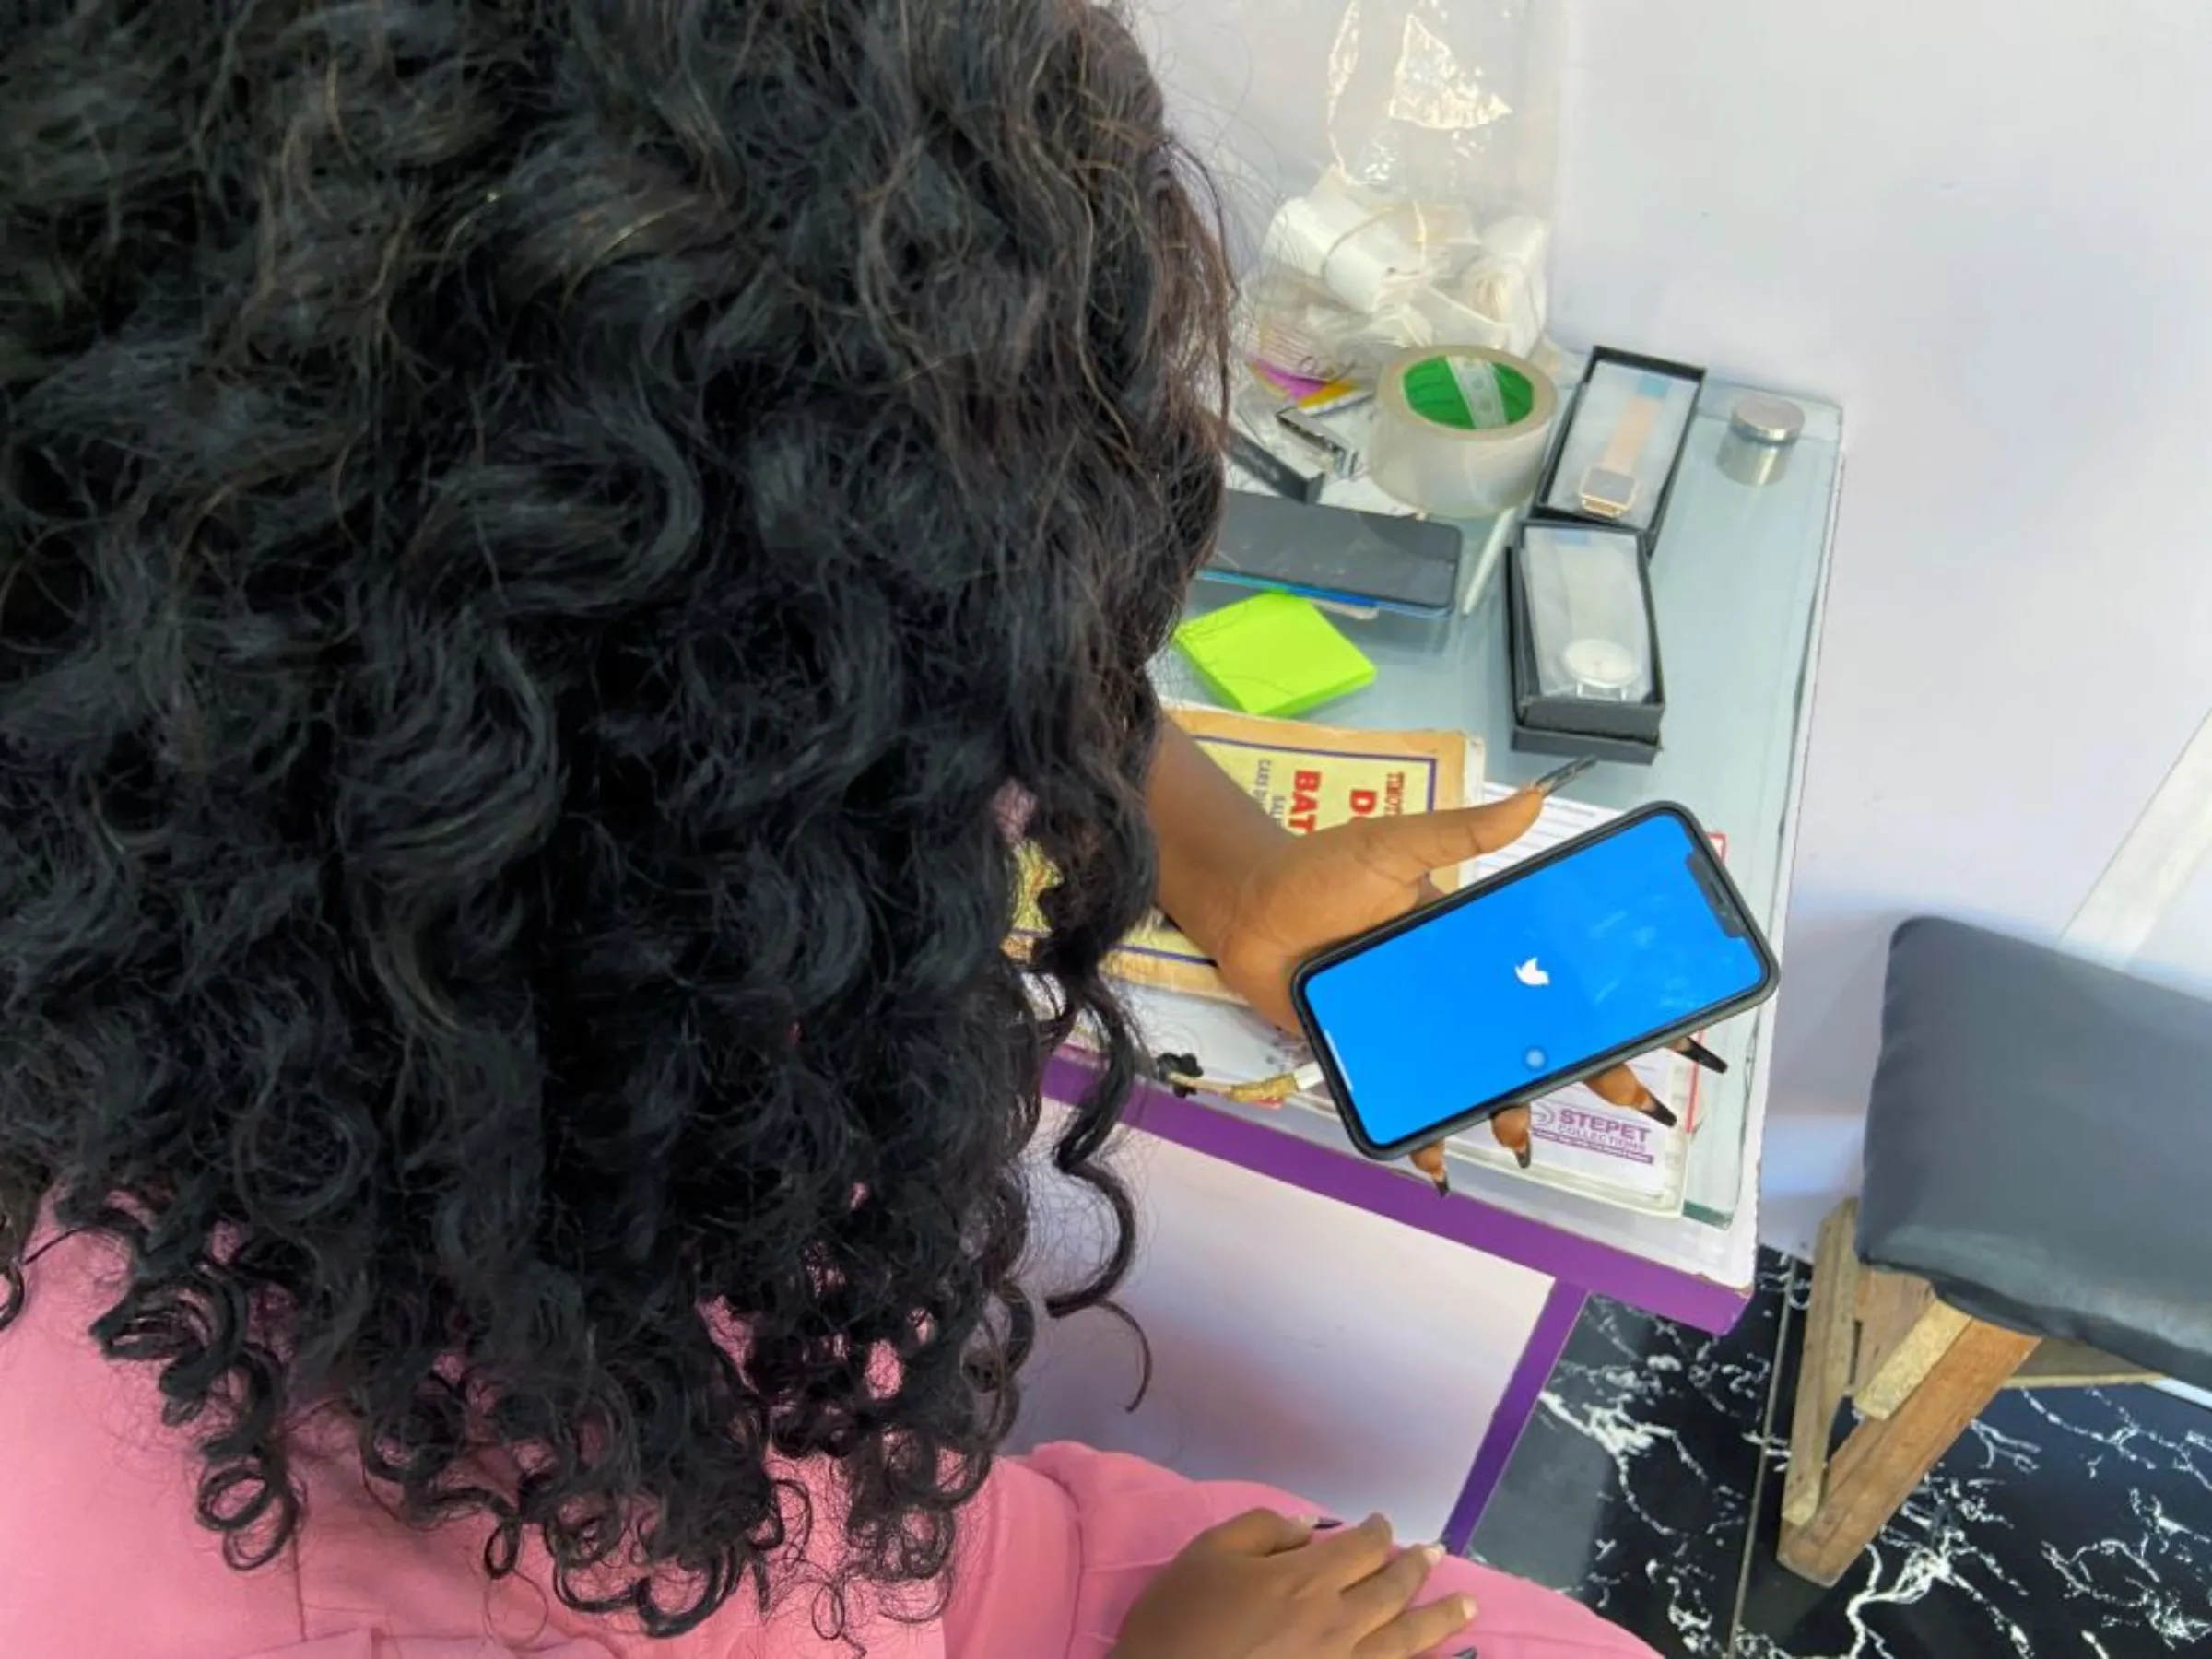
(1740,577)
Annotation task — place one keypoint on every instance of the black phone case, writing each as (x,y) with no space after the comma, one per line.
(1717,882)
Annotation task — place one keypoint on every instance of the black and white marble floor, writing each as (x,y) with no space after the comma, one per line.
(2077,1522)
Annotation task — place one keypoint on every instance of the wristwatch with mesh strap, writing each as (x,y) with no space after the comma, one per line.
(1611,487)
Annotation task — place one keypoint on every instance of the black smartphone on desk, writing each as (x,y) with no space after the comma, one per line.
(1599,950)
(1371,559)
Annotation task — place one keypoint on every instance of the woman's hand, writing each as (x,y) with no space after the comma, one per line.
(1260,901)
(1310,891)
(1264,1587)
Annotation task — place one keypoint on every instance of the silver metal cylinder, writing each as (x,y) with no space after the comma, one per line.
(1762,431)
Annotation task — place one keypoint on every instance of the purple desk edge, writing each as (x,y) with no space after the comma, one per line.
(1580,1267)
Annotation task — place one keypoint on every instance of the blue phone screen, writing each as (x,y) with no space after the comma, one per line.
(1531,981)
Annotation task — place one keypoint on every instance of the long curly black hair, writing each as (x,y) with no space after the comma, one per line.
(540,540)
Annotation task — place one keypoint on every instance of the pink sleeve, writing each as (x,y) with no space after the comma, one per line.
(365,1645)
(1069,1537)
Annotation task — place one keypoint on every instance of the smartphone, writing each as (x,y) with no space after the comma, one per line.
(1594,952)
(1334,554)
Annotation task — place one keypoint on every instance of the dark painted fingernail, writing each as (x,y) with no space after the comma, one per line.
(1430,1161)
(1648,1103)
(1525,1156)
(1704,1056)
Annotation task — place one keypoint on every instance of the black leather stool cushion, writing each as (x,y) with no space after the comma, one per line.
(2039,1145)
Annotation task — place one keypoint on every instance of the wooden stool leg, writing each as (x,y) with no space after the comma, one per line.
(1825,1368)
(1883,1460)
(1879,1389)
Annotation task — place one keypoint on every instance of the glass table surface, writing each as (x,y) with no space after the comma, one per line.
(1739,577)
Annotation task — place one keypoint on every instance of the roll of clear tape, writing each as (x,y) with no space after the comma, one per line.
(1461,430)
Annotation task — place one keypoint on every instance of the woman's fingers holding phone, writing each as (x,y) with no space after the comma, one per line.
(1408,848)
(1305,892)
(1514,1129)
(1621,1087)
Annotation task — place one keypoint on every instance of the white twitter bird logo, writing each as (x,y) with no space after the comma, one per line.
(1530,972)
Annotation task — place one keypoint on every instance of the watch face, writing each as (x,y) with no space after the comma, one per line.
(1599,665)
(1608,492)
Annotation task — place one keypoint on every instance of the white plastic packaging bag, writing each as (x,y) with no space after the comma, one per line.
(1388,165)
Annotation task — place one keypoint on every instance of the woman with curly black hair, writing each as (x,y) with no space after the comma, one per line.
(550,551)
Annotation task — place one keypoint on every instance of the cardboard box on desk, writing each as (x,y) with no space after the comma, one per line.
(1622,445)
(1547,721)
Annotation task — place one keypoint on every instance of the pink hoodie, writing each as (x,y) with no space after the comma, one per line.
(101,1557)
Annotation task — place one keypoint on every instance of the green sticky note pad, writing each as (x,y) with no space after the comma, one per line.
(1275,653)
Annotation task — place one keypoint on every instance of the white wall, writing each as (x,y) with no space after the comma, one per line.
(2181,950)
(1986,226)
(1987,229)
